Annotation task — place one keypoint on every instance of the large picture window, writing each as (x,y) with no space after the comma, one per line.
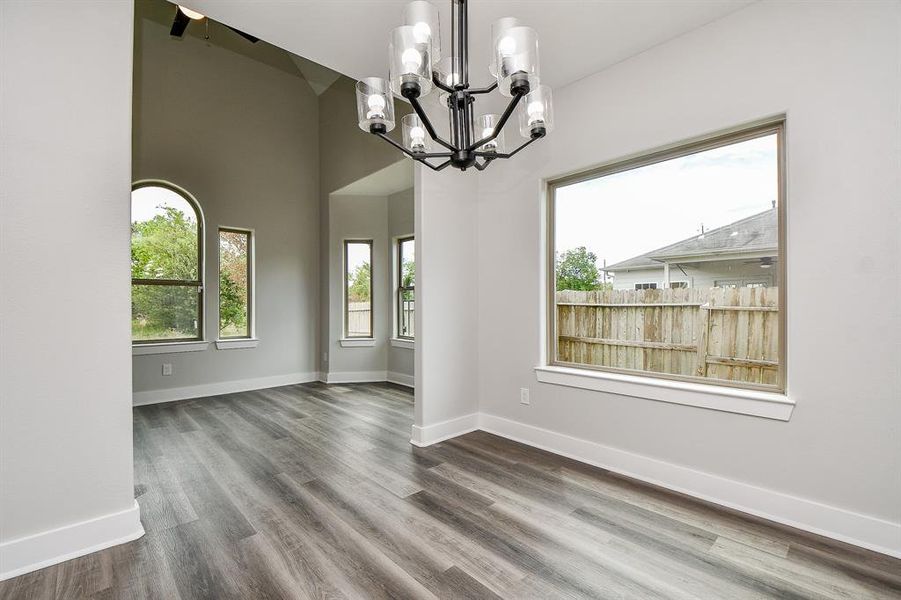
(166,264)
(406,284)
(358,288)
(235,283)
(671,265)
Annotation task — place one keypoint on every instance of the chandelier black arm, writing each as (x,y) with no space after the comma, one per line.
(484,90)
(428,124)
(436,168)
(421,156)
(500,124)
(493,155)
(485,163)
(438,83)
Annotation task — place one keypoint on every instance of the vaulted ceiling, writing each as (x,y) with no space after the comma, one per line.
(577,37)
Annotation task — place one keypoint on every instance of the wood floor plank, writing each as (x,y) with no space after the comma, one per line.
(314,491)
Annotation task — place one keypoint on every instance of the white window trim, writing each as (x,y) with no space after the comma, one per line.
(403,343)
(169,347)
(357,342)
(769,405)
(236,343)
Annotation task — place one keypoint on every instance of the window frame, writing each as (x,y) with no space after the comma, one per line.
(201,259)
(345,285)
(400,288)
(251,288)
(774,125)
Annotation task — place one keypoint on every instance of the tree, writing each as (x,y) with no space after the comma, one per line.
(164,247)
(577,270)
(359,288)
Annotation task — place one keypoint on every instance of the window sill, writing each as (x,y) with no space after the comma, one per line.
(403,343)
(769,405)
(168,348)
(237,343)
(357,342)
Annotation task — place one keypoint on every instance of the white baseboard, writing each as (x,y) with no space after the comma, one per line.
(222,387)
(830,521)
(356,377)
(400,379)
(33,552)
(445,430)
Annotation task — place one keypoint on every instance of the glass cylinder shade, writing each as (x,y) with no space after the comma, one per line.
(375,104)
(498,28)
(409,60)
(449,74)
(416,138)
(423,17)
(536,112)
(485,125)
(516,55)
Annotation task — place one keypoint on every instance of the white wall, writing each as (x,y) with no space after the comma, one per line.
(446,319)
(249,154)
(359,218)
(65,370)
(834,69)
(400,224)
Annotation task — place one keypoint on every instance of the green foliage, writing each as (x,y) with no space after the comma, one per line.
(577,270)
(165,247)
(360,280)
(233,258)
(408,277)
(232,313)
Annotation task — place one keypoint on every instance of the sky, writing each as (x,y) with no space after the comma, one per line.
(146,202)
(627,214)
(357,255)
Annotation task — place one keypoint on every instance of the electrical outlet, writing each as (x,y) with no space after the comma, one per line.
(167,369)
(325,357)
(524,396)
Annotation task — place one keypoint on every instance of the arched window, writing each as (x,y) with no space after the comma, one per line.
(166,264)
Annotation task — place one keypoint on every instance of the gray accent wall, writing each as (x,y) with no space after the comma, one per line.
(243,138)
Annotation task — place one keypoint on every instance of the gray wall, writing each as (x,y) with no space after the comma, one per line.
(358,217)
(65,369)
(400,224)
(834,69)
(242,137)
(346,154)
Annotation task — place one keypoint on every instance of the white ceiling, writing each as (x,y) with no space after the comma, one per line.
(576,37)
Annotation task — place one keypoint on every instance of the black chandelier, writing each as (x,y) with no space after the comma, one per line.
(416,68)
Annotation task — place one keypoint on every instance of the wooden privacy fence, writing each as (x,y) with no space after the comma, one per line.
(719,333)
(358,318)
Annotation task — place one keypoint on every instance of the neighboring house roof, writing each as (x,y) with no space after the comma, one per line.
(754,234)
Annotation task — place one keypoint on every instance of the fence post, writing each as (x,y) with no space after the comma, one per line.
(703,331)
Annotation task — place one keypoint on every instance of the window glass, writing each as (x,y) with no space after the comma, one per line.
(166,265)
(358,288)
(672,268)
(234,283)
(406,293)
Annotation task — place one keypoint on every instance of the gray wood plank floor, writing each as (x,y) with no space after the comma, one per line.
(314,491)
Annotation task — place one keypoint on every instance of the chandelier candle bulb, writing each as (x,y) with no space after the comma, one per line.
(416,139)
(498,30)
(485,125)
(536,113)
(410,66)
(423,17)
(375,105)
(516,53)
